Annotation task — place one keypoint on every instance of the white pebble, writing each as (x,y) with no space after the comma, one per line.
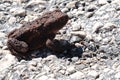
(93,73)
(77,76)
(81,34)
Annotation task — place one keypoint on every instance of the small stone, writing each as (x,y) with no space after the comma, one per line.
(62,71)
(93,73)
(118,68)
(52,79)
(33,63)
(109,26)
(115,1)
(89,37)
(7,61)
(74,59)
(29,18)
(43,78)
(79,13)
(80,66)
(65,10)
(97,26)
(117,75)
(35,2)
(71,4)
(106,70)
(75,39)
(89,14)
(78,44)
(18,1)
(91,8)
(118,8)
(96,67)
(1,44)
(106,40)
(76,26)
(81,34)
(50,57)
(32,68)
(98,38)
(12,20)
(18,11)
(15,76)
(77,75)
(70,69)
(102,2)
(2,35)
(115,65)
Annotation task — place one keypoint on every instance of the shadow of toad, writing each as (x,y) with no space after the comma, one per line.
(70,50)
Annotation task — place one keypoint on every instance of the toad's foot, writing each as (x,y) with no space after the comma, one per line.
(16,46)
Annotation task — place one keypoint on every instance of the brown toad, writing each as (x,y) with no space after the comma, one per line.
(37,34)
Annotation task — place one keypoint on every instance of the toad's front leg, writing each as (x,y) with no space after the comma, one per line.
(16,46)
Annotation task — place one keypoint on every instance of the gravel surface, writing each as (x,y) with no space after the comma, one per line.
(93,28)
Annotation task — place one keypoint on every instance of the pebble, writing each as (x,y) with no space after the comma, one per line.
(93,73)
(77,75)
(97,26)
(36,2)
(98,38)
(71,4)
(65,10)
(1,44)
(102,2)
(89,14)
(91,8)
(76,26)
(109,26)
(116,1)
(12,20)
(2,35)
(81,34)
(70,69)
(74,59)
(7,61)
(18,11)
(75,39)
(43,78)
(117,75)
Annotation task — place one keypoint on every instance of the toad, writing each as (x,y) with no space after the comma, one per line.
(36,34)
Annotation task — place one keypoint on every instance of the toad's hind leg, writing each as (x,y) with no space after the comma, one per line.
(16,46)
(55,45)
